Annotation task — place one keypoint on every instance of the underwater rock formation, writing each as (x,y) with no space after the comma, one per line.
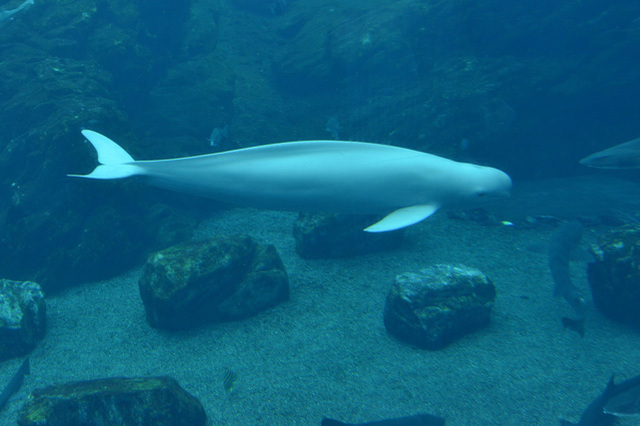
(327,235)
(207,85)
(438,305)
(67,67)
(114,401)
(23,319)
(412,73)
(435,73)
(220,279)
(614,277)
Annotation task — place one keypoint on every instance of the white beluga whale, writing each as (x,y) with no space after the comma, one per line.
(331,176)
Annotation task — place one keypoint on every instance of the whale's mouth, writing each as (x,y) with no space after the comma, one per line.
(505,194)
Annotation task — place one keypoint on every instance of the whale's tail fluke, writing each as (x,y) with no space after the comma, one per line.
(115,162)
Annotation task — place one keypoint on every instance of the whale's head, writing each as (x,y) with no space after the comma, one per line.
(478,185)
(493,184)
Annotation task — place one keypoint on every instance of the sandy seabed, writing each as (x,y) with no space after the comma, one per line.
(325,352)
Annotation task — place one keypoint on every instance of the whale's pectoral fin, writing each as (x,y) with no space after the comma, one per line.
(403,217)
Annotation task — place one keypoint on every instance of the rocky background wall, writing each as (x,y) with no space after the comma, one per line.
(529,86)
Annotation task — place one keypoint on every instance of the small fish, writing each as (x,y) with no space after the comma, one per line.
(229,380)
(563,242)
(623,156)
(8,14)
(334,127)
(416,420)
(14,384)
(218,134)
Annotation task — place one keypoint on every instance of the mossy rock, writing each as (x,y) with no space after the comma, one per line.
(121,401)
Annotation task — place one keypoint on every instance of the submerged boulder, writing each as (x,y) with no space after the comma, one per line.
(614,277)
(23,317)
(220,279)
(327,235)
(436,306)
(113,401)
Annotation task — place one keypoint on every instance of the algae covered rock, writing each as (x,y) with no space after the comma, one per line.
(69,65)
(207,85)
(113,401)
(327,235)
(436,306)
(23,318)
(220,279)
(614,277)
(201,36)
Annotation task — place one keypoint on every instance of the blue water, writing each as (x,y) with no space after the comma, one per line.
(527,87)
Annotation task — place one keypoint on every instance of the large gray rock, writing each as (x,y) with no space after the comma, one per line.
(23,318)
(614,277)
(434,307)
(220,279)
(115,401)
(327,235)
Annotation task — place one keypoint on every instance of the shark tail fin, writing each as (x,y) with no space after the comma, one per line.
(576,325)
(115,162)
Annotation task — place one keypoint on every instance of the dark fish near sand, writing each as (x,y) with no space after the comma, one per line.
(623,156)
(625,404)
(14,384)
(417,420)
(595,414)
(563,242)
